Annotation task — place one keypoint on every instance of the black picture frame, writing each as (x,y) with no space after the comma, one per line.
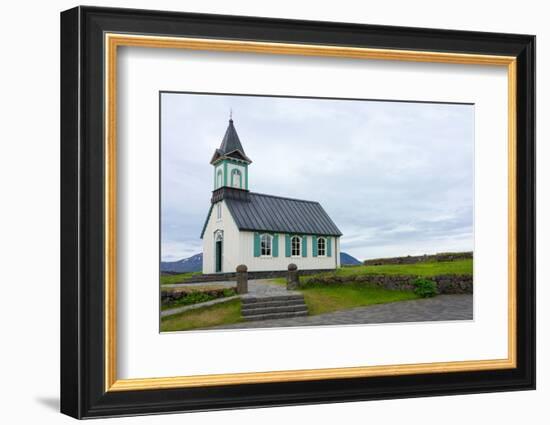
(83,392)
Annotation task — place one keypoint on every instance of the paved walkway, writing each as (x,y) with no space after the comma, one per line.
(442,307)
(266,288)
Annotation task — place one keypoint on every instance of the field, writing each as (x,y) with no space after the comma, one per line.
(219,314)
(419,269)
(170,279)
(321,298)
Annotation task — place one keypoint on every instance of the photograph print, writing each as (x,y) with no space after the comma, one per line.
(299,211)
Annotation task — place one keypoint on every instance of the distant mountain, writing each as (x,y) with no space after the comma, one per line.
(348,260)
(191,264)
(194,263)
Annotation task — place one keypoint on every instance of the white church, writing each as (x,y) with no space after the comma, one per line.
(264,232)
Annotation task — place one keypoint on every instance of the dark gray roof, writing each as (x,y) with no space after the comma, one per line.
(267,213)
(231,145)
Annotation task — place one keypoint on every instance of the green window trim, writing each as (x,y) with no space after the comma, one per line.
(287,245)
(256,244)
(329,246)
(275,245)
(314,245)
(304,246)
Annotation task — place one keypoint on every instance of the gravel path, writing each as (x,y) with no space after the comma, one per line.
(442,307)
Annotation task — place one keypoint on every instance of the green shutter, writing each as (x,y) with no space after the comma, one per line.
(287,245)
(329,247)
(304,246)
(275,245)
(257,245)
(314,243)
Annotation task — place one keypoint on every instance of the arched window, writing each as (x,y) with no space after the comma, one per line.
(218,236)
(265,245)
(296,246)
(321,247)
(219,179)
(236,178)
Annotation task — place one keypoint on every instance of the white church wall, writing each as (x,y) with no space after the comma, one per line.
(230,239)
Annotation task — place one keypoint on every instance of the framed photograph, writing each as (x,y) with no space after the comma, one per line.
(261,212)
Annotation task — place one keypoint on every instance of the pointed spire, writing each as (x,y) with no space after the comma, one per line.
(231,141)
(231,144)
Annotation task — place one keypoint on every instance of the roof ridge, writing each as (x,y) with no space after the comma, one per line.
(284,197)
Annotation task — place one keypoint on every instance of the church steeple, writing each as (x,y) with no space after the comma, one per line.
(230,161)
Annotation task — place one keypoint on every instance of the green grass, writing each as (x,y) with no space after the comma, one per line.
(219,314)
(418,269)
(195,297)
(170,279)
(333,298)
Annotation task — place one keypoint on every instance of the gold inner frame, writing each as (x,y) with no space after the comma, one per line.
(113,41)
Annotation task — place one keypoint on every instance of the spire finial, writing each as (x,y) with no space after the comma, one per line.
(230,114)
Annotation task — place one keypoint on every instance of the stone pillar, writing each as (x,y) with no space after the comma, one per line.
(292,278)
(242,279)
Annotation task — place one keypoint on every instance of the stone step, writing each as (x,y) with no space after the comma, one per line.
(276,303)
(269,316)
(252,300)
(269,310)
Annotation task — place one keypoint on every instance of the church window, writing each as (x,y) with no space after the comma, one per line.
(219,211)
(321,247)
(296,245)
(265,245)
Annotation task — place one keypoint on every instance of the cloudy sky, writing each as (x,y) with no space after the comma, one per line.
(396,177)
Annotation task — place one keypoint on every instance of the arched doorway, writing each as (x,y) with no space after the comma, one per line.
(218,250)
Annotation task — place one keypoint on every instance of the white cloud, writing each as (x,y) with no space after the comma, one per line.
(396,177)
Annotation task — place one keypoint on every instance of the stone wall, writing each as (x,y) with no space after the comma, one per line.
(169,296)
(444,256)
(446,284)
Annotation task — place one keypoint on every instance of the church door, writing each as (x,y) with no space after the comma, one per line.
(218,256)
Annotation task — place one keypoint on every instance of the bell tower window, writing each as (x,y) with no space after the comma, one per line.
(236,179)
(219,179)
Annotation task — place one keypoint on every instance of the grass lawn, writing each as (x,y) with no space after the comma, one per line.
(194,296)
(333,298)
(219,314)
(170,279)
(195,288)
(418,269)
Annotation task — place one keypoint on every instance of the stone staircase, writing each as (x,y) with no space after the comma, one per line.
(273,307)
